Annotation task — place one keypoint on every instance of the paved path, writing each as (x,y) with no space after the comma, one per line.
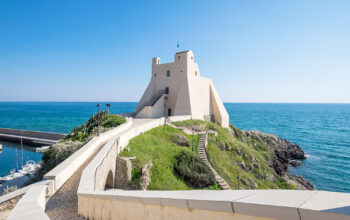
(64,203)
(203,156)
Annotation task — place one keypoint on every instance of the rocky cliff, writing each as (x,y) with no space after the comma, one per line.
(283,152)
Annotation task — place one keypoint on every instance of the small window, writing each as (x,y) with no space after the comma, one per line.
(169,111)
(178,57)
(167,90)
(155,74)
(168,73)
(195,73)
(191,57)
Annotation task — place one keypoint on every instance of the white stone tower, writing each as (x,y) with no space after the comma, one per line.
(178,89)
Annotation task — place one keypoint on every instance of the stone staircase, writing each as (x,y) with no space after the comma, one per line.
(203,156)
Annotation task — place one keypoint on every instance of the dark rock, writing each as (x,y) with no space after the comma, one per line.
(307,184)
(242,165)
(222,146)
(279,166)
(239,152)
(295,163)
(296,152)
(181,140)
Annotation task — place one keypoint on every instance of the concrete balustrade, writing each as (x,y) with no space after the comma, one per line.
(208,204)
(61,173)
(31,205)
(56,178)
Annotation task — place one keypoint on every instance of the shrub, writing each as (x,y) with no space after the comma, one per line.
(193,170)
(85,131)
(110,121)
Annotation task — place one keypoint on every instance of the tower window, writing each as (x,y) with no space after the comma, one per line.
(178,57)
(191,57)
(169,111)
(195,73)
(155,74)
(167,90)
(168,73)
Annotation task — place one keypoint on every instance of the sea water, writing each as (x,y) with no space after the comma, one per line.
(322,130)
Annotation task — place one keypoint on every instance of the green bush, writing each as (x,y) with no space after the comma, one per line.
(110,121)
(85,131)
(193,170)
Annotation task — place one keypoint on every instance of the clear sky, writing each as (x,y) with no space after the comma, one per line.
(255,51)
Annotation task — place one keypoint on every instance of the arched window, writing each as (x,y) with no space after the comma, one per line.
(168,73)
(167,90)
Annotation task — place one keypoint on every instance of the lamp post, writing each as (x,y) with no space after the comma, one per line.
(192,140)
(98,119)
(238,179)
(108,106)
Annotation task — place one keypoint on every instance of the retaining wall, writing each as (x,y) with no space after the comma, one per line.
(61,173)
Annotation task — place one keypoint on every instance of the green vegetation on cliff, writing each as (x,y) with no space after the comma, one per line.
(76,139)
(89,128)
(158,145)
(244,161)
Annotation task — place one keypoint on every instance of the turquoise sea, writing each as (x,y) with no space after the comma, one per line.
(322,130)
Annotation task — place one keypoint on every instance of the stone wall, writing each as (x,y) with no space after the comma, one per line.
(123,172)
(7,206)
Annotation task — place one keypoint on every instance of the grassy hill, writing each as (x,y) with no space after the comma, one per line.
(244,160)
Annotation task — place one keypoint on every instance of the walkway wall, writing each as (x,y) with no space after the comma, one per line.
(61,173)
(212,204)
(31,205)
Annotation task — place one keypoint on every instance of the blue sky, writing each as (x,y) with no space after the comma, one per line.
(255,51)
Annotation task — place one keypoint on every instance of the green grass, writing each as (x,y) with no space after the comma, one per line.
(226,162)
(156,145)
(188,123)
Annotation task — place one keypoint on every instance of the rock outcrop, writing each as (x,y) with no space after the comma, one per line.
(284,154)
(181,140)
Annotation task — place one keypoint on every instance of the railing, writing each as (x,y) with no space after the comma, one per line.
(152,101)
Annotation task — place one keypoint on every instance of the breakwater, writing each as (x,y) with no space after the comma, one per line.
(35,138)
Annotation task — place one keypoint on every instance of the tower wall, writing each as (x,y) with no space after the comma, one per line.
(189,93)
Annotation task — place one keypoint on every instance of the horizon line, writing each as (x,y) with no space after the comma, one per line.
(230,102)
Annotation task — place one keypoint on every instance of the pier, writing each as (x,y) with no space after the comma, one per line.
(35,138)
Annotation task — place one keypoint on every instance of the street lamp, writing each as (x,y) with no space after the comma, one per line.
(108,106)
(98,119)
(238,179)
